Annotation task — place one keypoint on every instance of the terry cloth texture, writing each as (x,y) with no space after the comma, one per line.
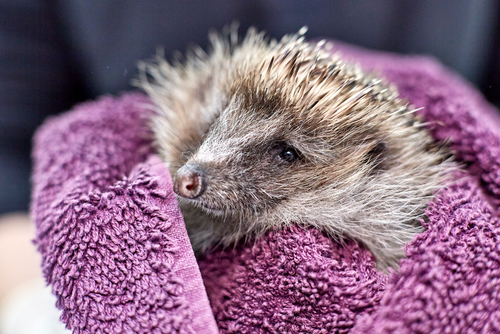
(114,245)
(118,258)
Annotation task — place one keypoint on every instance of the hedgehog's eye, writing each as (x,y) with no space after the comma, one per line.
(281,152)
(288,154)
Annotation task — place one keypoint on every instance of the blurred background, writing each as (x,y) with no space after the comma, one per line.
(54,54)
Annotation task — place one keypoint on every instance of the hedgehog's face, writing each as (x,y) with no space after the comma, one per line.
(252,162)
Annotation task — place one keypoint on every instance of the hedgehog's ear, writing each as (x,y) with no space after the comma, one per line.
(376,155)
(183,106)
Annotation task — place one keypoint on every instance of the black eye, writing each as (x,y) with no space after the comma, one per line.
(288,154)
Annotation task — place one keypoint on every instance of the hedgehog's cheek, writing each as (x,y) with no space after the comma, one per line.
(189,182)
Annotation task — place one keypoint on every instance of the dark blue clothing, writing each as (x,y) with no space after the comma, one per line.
(54,54)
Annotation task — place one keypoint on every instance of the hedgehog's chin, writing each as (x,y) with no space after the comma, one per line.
(214,212)
(206,208)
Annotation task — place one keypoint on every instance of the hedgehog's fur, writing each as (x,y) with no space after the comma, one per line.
(366,167)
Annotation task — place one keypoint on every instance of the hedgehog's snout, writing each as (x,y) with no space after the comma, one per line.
(189,182)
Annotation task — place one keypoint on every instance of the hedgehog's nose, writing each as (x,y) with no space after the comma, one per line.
(189,182)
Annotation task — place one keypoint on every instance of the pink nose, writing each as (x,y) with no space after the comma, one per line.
(189,183)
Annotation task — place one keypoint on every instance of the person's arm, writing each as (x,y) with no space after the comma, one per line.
(35,80)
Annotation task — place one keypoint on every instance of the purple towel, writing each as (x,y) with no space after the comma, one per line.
(117,255)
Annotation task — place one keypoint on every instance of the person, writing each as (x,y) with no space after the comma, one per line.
(54,54)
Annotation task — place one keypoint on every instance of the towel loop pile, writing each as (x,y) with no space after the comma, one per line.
(116,252)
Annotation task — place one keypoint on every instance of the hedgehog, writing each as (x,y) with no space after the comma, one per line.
(260,134)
